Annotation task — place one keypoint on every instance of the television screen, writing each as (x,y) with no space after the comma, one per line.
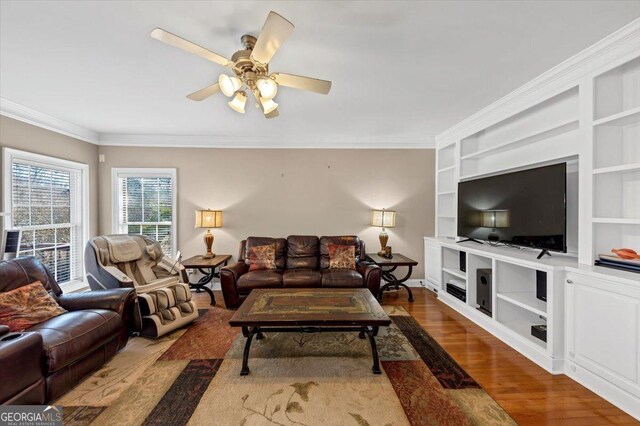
(526,208)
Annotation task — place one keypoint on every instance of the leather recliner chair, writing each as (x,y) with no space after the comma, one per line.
(41,363)
(161,283)
(302,261)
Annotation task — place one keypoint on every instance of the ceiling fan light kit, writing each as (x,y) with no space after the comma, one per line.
(250,66)
(229,85)
(238,103)
(268,105)
(267,87)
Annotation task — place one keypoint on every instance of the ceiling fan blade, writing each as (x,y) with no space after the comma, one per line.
(274,32)
(305,83)
(204,93)
(272,114)
(180,43)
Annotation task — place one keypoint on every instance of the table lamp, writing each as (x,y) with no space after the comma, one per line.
(208,219)
(383,219)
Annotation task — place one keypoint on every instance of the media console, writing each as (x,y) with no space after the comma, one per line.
(591,314)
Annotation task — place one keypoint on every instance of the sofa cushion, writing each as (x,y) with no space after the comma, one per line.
(69,337)
(346,240)
(342,257)
(281,248)
(27,306)
(259,279)
(301,278)
(262,257)
(303,251)
(341,278)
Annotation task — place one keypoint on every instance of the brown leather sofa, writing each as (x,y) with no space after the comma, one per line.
(302,261)
(43,362)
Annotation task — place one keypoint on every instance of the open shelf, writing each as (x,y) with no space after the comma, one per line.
(446,157)
(526,300)
(534,136)
(456,273)
(607,236)
(519,320)
(623,118)
(616,220)
(444,169)
(446,226)
(616,147)
(617,93)
(617,196)
(524,329)
(625,168)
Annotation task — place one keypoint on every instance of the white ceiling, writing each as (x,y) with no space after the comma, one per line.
(402,72)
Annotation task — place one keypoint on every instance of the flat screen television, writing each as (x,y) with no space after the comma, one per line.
(525,208)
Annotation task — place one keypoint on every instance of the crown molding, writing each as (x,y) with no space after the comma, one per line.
(28,115)
(19,112)
(621,42)
(211,141)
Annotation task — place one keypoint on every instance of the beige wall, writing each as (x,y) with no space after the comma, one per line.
(279,192)
(26,137)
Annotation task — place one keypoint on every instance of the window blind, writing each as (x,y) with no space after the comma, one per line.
(47,207)
(146,208)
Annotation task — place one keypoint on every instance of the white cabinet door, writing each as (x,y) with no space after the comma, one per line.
(603,329)
(433,261)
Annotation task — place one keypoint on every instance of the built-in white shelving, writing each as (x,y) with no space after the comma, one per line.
(585,112)
(616,154)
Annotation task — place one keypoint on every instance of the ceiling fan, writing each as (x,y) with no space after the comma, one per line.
(250,66)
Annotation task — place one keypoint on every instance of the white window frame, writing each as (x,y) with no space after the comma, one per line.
(9,155)
(116,206)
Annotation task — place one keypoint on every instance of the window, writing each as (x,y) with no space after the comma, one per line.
(46,198)
(145,204)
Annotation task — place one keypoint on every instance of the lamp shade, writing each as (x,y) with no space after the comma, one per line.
(267,87)
(268,105)
(383,218)
(495,219)
(208,219)
(237,104)
(228,85)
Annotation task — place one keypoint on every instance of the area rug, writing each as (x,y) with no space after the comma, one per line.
(296,379)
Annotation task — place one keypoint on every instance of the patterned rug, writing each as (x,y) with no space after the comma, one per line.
(192,378)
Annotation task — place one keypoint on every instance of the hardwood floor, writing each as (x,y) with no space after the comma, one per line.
(527,392)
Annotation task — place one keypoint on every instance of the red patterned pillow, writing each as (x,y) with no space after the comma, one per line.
(262,257)
(27,306)
(342,257)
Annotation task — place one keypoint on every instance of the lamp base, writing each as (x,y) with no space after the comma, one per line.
(208,241)
(384,238)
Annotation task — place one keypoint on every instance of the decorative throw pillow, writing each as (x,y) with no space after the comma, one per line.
(342,257)
(262,257)
(27,306)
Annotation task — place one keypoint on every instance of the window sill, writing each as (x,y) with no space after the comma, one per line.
(76,286)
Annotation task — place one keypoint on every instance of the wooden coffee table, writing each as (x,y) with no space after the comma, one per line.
(310,311)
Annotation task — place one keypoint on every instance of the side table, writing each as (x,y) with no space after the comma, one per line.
(208,268)
(388,266)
